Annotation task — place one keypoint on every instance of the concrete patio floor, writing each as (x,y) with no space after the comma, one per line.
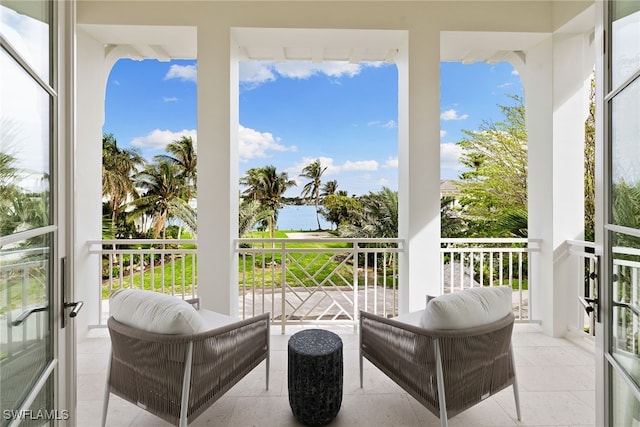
(556,378)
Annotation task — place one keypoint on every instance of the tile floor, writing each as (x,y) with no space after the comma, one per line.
(556,377)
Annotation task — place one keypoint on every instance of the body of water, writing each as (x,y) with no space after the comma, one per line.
(303,217)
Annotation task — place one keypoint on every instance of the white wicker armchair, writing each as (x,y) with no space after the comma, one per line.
(448,370)
(177,376)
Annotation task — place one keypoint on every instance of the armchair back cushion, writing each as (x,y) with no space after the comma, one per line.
(466,309)
(155,312)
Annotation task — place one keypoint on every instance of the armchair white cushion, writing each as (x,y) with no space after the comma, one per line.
(155,312)
(467,308)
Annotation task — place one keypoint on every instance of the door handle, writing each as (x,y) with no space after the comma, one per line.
(592,304)
(77,306)
(23,316)
(588,304)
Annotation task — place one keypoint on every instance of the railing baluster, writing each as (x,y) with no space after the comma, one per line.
(142,270)
(384,283)
(184,281)
(481,268)
(131,270)
(162,278)
(283,284)
(501,269)
(510,269)
(152,269)
(194,268)
(520,285)
(121,283)
(452,263)
(634,301)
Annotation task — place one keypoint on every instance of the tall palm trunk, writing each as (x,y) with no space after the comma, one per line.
(317,211)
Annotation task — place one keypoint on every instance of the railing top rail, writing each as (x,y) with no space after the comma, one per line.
(489,240)
(319,250)
(581,243)
(142,251)
(622,250)
(318,239)
(500,249)
(143,242)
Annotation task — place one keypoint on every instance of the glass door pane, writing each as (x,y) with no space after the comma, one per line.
(28,254)
(25,174)
(26,25)
(625,40)
(26,322)
(623,206)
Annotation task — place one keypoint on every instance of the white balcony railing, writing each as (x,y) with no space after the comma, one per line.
(318,280)
(161,265)
(467,263)
(313,280)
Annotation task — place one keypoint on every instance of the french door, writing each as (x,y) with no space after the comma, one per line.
(33,356)
(621,293)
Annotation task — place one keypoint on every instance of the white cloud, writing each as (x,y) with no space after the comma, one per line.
(443,133)
(186,73)
(332,168)
(159,139)
(507,84)
(391,163)
(254,73)
(169,98)
(452,115)
(383,182)
(306,69)
(450,156)
(254,144)
(360,165)
(515,72)
(327,162)
(391,124)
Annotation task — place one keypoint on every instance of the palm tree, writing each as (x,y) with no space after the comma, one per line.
(379,216)
(329,187)
(313,172)
(118,167)
(185,158)
(163,197)
(249,214)
(267,186)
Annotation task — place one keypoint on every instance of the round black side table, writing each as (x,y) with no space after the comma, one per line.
(315,376)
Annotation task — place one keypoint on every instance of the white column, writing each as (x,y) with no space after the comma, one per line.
(419,168)
(217,169)
(573,60)
(555,79)
(92,71)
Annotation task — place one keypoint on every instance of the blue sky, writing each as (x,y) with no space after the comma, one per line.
(295,112)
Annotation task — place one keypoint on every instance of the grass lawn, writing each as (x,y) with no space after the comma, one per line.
(173,272)
(258,269)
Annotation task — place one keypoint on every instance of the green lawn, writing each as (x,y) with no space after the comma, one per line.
(171,270)
(302,268)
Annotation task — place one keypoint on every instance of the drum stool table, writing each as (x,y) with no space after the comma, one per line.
(315,376)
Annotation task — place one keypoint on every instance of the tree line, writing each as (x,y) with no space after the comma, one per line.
(371,215)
